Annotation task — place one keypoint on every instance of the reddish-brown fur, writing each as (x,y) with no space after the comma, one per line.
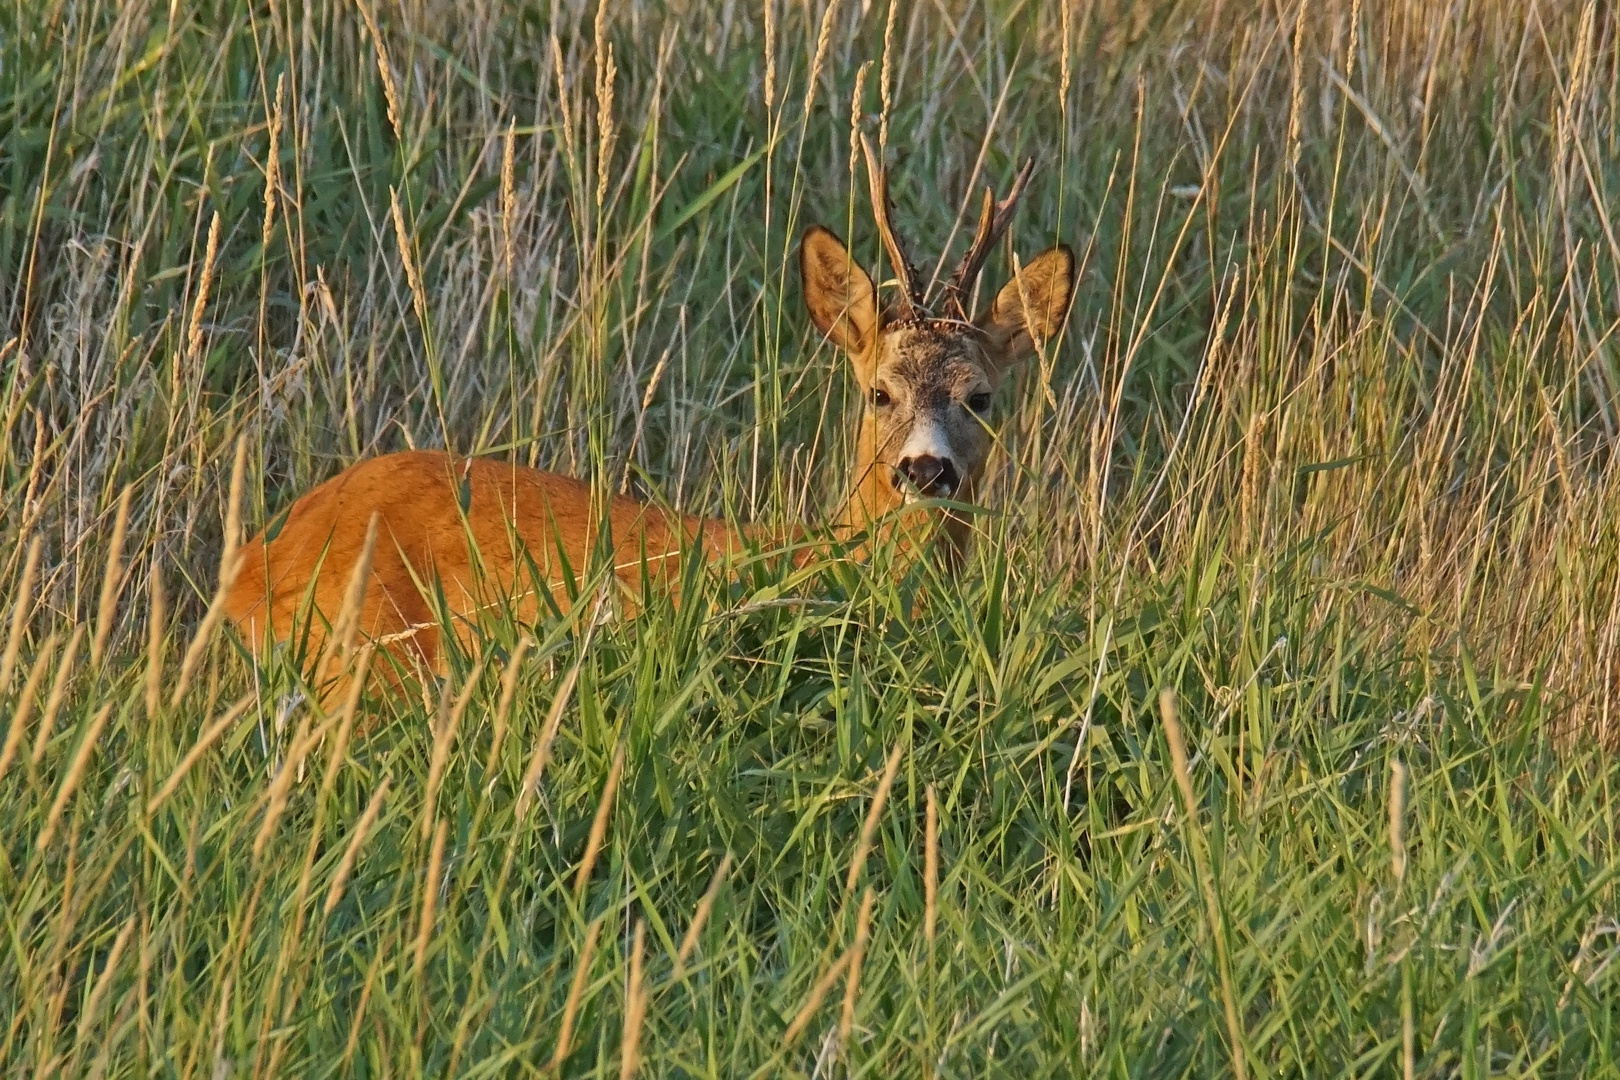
(508,539)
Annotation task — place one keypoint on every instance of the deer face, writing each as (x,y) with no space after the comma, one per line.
(928,383)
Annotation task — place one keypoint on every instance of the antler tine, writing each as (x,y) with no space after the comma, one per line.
(993,221)
(883,210)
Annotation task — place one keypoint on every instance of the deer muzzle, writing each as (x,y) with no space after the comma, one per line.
(927,475)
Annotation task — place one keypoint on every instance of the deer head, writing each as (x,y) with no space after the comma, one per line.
(927,381)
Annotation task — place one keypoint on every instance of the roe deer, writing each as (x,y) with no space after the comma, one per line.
(493,533)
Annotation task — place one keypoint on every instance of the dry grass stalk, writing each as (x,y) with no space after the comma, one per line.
(770,58)
(25,705)
(230,564)
(303,741)
(92,1005)
(323,293)
(1065,69)
(413,277)
(606,134)
(560,68)
(464,699)
(1397,820)
(281,785)
(20,610)
(818,993)
(347,624)
(346,715)
(444,737)
(156,618)
(112,581)
(508,201)
(340,879)
(635,1007)
(272,164)
(701,916)
(886,78)
(75,773)
(1397,858)
(230,553)
(1251,525)
(207,739)
(33,508)
(855,115)
(930,867)
(67,902)
(384,68)
(430,898)
(576,991)
(647,398)
(857,956)
(874,816)
(1408,1026)
(1044,356)
(599,824)
(205,284)
(221,1031)
(355,1025)
(503,710)
(548,735)
(823,40)
(53,704)
(1206,879)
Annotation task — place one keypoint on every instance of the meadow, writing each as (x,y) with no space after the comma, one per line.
(1267,731)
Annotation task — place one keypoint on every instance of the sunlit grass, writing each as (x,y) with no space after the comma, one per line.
(1326,451)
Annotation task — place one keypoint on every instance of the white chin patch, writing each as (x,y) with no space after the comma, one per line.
(911,495)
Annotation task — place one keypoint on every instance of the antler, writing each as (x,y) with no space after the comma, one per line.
(993,221)
(911,302)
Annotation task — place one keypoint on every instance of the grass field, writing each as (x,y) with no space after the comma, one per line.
(1327,451)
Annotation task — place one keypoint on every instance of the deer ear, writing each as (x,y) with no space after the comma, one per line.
(842,302)
(1021,318)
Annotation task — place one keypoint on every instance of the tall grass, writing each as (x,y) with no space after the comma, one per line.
(1326,450)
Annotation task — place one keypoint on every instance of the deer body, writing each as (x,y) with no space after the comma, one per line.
(488,536)
(487,533)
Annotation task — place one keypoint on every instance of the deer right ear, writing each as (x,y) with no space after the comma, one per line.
(1030,309)
(842,302)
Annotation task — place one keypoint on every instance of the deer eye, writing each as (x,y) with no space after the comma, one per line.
(979,402)
(880,398)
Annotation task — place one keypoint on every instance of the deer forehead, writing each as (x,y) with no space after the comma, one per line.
(932,364)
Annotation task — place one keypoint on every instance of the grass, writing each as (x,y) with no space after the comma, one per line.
(1326,452)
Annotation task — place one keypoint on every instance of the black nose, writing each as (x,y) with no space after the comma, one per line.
(930,475)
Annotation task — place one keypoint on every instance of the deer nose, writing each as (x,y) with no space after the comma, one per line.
(930,475)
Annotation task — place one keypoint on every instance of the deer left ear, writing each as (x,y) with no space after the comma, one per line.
(1031,308)
(842,302)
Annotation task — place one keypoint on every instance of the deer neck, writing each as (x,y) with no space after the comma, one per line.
(872,502)
(870,495)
